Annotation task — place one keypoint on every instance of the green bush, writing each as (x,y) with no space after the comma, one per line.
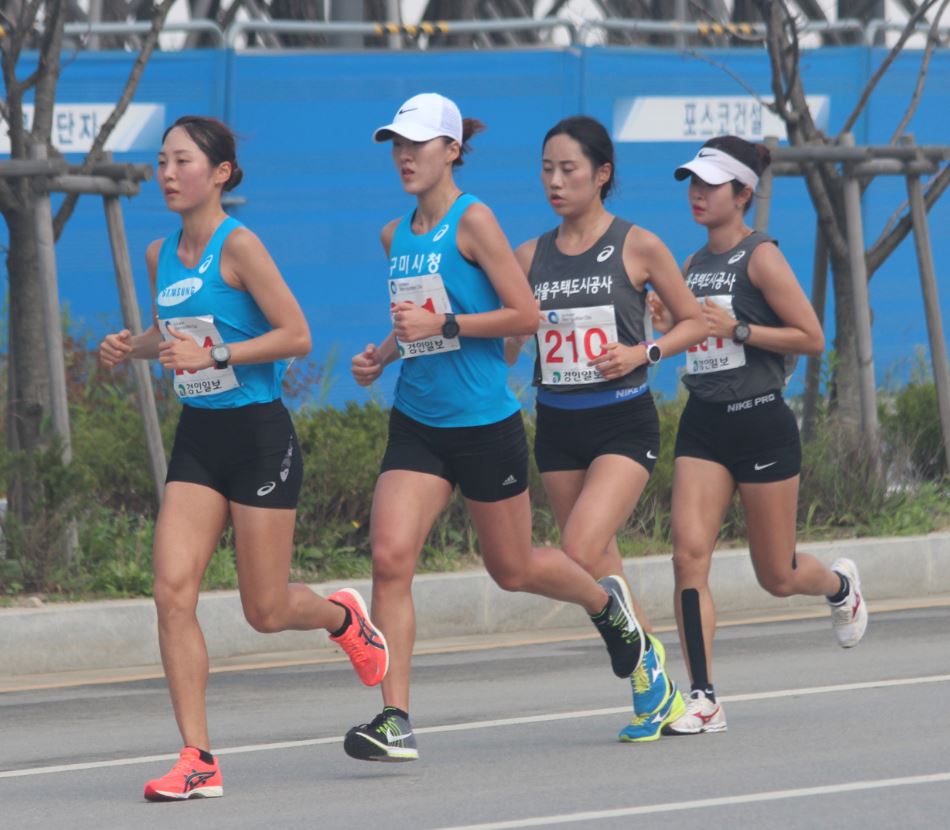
(911,426)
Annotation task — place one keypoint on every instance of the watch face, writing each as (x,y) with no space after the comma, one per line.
(450,329)
(220,353)
(741,333)
(654,353)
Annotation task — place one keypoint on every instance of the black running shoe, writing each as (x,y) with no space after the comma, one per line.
(619,628)
(388,737)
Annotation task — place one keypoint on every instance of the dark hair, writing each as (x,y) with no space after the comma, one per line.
(215,140)
(595,144)
(470,127)
(754,156)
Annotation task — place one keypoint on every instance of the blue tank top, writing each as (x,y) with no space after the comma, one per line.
(469,386)
(200,291)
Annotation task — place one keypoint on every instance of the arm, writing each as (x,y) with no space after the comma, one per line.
(524,254)
(770,272)
(123,345)
(481,240)
(660,316)
(647,259)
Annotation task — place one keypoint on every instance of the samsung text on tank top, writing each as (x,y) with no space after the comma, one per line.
(587,301)
(720,369)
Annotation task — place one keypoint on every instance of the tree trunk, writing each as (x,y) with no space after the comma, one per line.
(30,390)
(845,386)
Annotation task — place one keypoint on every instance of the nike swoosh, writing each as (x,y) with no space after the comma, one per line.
(705,155)
(765,466)
(399,737)
(709,717)
(407,109)
(651,455)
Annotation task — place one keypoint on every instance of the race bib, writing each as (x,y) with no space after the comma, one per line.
(569,338)
(210,381)
(717,354)
(427,291)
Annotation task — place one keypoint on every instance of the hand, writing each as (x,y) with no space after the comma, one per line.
(719,321)
(183,352)
(618,360)
(366,366)
(660,315)
(412,322)
(115,348)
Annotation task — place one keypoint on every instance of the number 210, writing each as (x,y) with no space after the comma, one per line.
(590,335)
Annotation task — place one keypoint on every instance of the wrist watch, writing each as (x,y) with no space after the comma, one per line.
(654,352)
(741,332)
(220,354)
(450,328)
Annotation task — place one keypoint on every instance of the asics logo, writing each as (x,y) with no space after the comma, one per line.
(179,291)
(267,488)
(440,233)
(368,634)
(606,253)
(206,264)
(736,257)
(196,779)
(764,466)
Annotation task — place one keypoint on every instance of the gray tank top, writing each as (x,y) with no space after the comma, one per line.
(589,301)
(718,370)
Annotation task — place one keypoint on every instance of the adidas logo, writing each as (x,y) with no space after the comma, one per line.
(510,480)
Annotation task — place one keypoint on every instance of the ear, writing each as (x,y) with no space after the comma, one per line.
(603,174)
(744,196)
(455,150)
(223,172)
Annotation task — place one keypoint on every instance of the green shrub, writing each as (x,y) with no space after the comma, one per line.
(911,428)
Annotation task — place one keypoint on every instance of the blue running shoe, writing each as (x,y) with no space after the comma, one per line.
(646,727)
(649,680)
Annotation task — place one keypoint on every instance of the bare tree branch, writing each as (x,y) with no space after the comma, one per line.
(736,77)
(131,84)
(48,65)
(879,252)
(885,65)
(933,39)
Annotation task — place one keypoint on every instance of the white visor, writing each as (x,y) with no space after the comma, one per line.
(716,167)
(424,117)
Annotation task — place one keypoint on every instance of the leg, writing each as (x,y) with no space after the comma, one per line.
(405,506)
(770,511)
(263,539)
(702,491)
(189,526)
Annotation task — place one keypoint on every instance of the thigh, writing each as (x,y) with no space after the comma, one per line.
(189,526)
(263,544)
(504,532)
(405,506)
(612,487)
(563,487)
(702,492)
(771,512)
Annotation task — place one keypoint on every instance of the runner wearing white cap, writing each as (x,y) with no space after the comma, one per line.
(736,431)
(455,292)
(598,433)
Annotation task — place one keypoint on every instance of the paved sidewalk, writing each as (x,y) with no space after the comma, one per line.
(121,633)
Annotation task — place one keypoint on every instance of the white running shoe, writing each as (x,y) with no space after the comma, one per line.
(702,715)
(849,619)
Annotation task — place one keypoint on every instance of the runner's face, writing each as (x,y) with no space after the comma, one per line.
(422,165)
(713,205)
(570,181)
(185,173)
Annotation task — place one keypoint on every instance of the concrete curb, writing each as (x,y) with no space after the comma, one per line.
(121,633)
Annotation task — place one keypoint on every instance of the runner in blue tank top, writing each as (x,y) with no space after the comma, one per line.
(736,431)
(225,324)
(455,292)
(598,433)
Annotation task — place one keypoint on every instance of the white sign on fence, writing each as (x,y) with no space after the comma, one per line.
(75,127)
(700,117)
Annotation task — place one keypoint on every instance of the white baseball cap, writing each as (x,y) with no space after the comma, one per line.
(717,167)
(424,117)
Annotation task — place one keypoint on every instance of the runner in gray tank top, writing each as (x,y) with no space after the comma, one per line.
(736,431)
(597,428)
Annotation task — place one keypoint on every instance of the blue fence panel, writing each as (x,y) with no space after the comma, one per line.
(319,190)
(899,328)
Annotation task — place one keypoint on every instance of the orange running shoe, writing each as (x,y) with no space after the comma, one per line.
(191,777)
(362,641)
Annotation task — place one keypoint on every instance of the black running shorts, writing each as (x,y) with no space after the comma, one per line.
(755,439)
(570,439)
(489,463)
(249,454)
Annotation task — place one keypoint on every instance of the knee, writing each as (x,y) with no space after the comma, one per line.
(265,619)
(510,580)
(393,565)
(690,561)
(584,554)
(174,599)
(778,585)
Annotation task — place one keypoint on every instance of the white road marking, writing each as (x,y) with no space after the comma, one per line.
(481,724)
(676,806)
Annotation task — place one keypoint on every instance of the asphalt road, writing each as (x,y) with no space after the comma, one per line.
(519,736)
